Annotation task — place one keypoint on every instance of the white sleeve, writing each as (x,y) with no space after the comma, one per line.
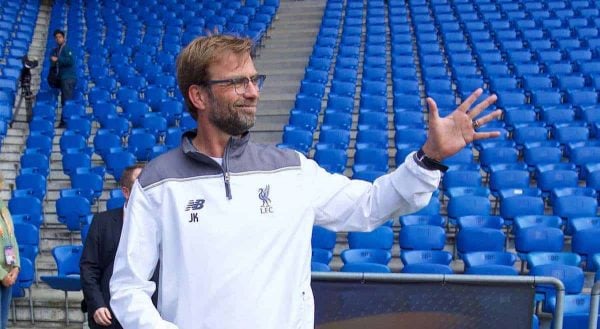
(342,204)
(135,261)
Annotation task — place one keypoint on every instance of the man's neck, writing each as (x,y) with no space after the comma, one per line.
(211,144)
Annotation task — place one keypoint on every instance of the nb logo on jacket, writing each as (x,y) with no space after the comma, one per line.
(194,205)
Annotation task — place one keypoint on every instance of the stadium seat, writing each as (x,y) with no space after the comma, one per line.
(362,255)
(422,237)
(24,281)
(332,160)
(117,160)
(490,262)
(67,278)
(426,261)
(472,239)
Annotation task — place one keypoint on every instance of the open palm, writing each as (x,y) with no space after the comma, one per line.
(450,134)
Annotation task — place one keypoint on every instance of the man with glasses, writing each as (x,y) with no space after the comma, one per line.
(231,220)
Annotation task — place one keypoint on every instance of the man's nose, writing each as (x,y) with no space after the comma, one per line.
(251,90)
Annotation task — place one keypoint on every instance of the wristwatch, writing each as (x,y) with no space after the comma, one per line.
(428,163)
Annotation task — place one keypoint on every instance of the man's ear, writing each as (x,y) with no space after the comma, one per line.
(198,97)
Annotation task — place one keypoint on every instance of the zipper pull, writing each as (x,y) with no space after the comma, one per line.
(227,186)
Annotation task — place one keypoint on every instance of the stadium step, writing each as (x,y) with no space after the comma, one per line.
(283,59)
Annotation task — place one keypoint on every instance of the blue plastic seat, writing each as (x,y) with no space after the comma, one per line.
(373,103)
(508,179)
(337,103)
(410,136)
(371,159)
(116,199)
(571,276)
(300,140)
(302,120)
(521,205)
(535,156)
(74,158)
(365,267)
(140,144)
(372,120)
(568,82)
(368,138)
(472,239)
(422,237)
(332,160)
(323,238)
(67,278)
(485,221)
(323,256)
(336,138)
(534,82)
(461,178)
(550,179)
(42,126)
(481,258)
(426,261)
(489,156)
(362,255)
(523,221)
(380,238)
(538,238)
(72,211)
(24,281)
(135,111)
(117,160)
(88,181)
(28,209)
(337,120)
(542,258)
(34,181)
(436,220)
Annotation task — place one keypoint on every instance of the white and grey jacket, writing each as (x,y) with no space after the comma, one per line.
(234,241)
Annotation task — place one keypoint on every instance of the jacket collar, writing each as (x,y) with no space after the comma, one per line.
(235,147)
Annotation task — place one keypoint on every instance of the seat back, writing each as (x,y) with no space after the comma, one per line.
(380,238)
(67,259)
(422,237)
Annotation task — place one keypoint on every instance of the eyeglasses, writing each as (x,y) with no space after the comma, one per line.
(240,84)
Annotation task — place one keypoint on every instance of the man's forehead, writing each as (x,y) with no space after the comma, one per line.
(229,61)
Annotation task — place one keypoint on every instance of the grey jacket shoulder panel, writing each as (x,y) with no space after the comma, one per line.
(263,157)
(185,161)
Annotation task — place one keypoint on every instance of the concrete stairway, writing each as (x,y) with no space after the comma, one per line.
(283,59)
(48,304)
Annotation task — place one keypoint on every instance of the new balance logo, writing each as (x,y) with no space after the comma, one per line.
(194,205)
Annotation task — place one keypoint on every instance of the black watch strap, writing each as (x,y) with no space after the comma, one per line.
(428,163)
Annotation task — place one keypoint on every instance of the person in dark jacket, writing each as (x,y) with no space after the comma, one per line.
(98,256)
(62,56)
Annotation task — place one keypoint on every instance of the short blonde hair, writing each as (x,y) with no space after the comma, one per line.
(195,59)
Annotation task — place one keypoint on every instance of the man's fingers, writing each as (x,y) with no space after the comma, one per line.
(433,109)
(102,316)
(466,104)
(482,106)
(487,134)
(105,314)
(489,117)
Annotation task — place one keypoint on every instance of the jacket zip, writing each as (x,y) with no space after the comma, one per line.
(226,176)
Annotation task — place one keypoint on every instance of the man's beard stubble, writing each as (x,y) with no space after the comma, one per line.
(232,120)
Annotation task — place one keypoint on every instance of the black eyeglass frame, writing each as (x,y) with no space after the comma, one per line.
(257,80)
